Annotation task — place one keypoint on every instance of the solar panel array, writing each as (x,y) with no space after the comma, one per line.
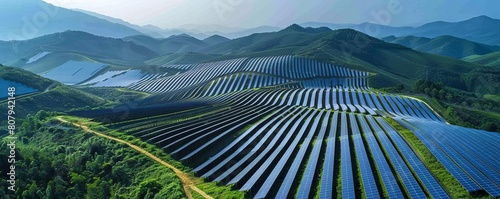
(283,127)
(470,155)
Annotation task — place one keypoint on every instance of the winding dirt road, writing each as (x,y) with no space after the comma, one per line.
(187,183)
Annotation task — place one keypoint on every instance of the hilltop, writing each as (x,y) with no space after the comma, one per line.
(444,45)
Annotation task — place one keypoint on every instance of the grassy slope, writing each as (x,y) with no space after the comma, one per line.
(119,95)
(492,59)
(437,169)
(180,58)
(462,115)
(60,98)
(444,45)
(98,48)
(393,64)
(53,96)
(172,44)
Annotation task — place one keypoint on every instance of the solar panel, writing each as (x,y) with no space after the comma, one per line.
(309,174)
(286,185)
(388,178)
(403,172)
(327,178)
(368,179)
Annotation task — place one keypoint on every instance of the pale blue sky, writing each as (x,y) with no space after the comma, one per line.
(252,13)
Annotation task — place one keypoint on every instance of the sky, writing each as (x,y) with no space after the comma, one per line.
(281,13)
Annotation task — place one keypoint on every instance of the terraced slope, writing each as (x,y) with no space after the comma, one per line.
(282,127)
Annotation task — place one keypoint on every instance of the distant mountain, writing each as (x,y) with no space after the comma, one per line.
(394,64)
(197,31)
(21,26)
(229,32)
(293,35)
(491,59)
(249,31)
(215,39)
(181,58)
(150,30)
(101,49)
(366,28)
(444,45)
(481,29)
(173,44)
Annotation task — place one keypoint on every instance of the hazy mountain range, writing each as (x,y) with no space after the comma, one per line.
(444,45)
(480,29)
(24,24)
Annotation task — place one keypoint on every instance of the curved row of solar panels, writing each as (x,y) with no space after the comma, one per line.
(284,127)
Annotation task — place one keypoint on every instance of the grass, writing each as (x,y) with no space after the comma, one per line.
(492,97)
(449,183)
(222,192)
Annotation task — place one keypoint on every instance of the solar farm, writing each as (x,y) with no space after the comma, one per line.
(74,72)
(291,127)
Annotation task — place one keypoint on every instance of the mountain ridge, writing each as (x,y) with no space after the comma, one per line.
(58,19)
(445,45)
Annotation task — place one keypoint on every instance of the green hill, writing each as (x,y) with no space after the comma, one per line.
(491,59)
(181,58)
(394,64)
(54,96)
(102,49)
(215,39)
(444,45)
(172,44)
(282,42)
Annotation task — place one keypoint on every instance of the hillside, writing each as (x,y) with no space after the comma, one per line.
(181,58)
(102,49)
(281,42)
(53,96)
(444,45)
(215,39)
(491,59)
(394,64)
(173,44)
(58,20)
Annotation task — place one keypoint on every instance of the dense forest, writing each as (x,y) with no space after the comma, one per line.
(56,161)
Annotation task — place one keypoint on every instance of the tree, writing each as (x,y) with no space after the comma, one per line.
(427,91)
(98,189)
(442,94)
(450,111)
(400,87)
(489,126)
(79,183)
(435,93)
(146,186)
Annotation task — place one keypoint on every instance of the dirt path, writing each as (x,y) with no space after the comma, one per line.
(185,179)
